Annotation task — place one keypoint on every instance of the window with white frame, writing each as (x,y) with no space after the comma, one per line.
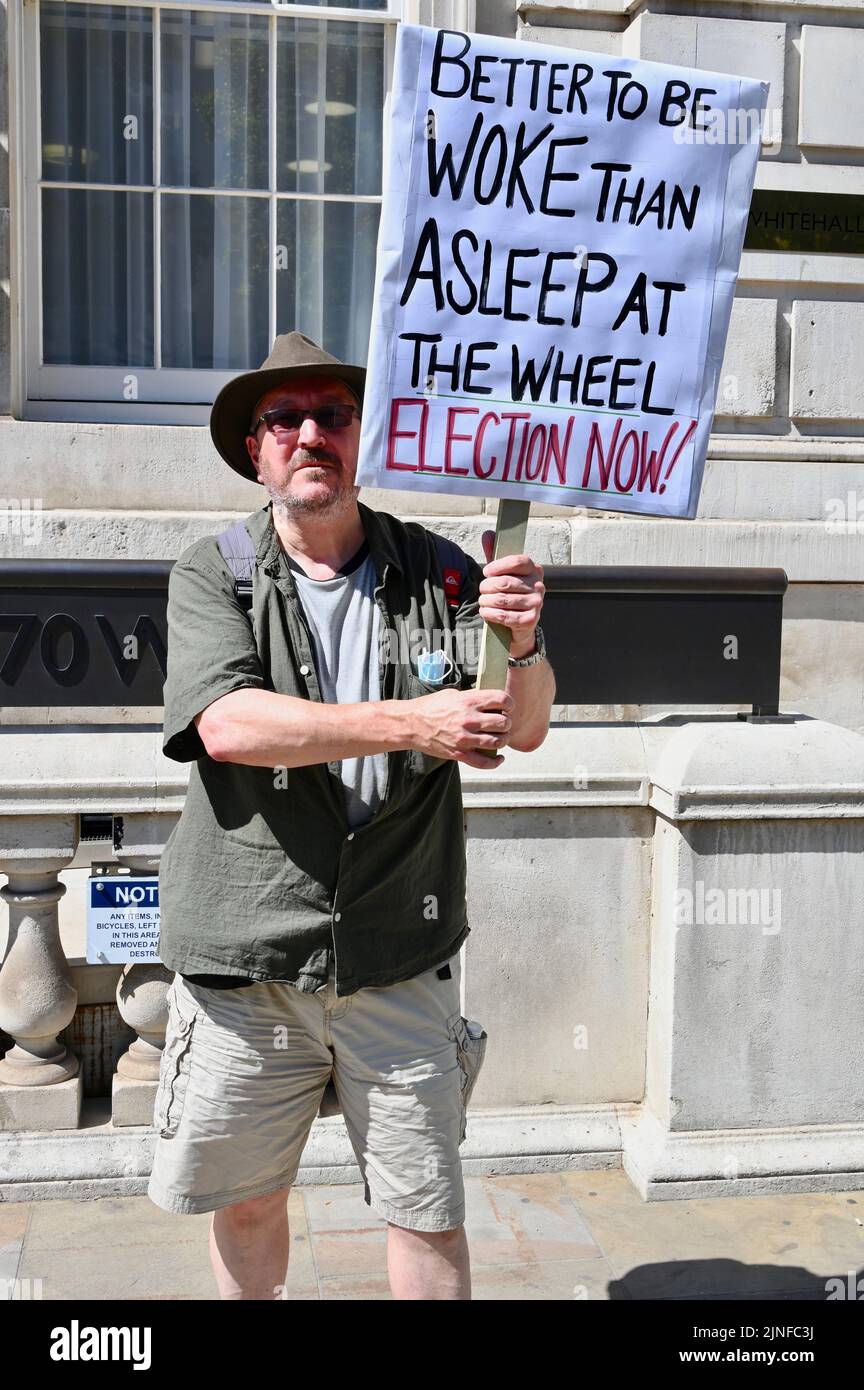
(205,176)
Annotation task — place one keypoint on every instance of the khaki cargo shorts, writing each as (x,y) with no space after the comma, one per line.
(243,1073)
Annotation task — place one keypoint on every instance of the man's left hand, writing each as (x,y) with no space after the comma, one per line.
(512,594)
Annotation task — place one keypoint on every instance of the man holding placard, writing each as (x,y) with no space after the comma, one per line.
(313,892)
(557,257)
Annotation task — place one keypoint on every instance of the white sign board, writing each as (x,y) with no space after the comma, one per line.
(122,919)
(557,258)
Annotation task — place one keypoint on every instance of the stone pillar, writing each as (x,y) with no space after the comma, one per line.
(755,1025)
(40,1082)
(141,989)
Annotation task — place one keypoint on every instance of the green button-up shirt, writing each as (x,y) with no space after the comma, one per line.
(262,877)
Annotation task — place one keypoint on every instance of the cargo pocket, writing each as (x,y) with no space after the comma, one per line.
(175,1065)
(470,1039)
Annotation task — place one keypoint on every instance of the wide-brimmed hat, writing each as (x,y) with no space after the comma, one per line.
(293,355)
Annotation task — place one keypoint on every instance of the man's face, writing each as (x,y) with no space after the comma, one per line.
(309,469)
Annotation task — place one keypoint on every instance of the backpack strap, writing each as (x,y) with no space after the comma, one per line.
(454,568)
(238,552)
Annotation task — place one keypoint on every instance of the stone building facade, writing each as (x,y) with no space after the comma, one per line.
(706,1053)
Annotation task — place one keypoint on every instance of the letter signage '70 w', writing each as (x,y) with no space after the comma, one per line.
(81,633)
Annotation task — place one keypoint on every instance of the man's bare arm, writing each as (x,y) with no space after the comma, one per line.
(260,728)
(533,690)
(263,729)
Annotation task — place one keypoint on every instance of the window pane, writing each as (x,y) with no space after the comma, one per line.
(329,105)
(214,100)
(97,93)
(326,272)
(97,277)
(214,281)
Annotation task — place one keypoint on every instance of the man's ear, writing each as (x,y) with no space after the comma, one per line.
(254,452)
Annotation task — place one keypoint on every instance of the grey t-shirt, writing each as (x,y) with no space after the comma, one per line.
(344,620)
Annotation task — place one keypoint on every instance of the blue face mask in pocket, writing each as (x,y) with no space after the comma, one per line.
(434,667)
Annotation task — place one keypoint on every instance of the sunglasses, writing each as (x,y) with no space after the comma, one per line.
(288,419)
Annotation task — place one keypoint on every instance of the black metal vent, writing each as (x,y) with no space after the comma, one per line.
(96,827)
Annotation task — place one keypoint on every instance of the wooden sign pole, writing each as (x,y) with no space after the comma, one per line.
(510,528)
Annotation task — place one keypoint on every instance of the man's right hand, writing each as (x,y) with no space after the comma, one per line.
(455,723)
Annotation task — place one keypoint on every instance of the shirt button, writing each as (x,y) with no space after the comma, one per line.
(351,836)
(304,670)
(337,916)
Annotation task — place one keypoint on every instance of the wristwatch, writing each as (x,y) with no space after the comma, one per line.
(537,655)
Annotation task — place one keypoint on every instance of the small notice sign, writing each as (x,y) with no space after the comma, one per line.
(122,919)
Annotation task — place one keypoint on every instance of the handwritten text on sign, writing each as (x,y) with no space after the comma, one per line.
(556,269)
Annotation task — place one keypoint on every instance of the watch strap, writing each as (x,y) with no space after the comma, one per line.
(536,657)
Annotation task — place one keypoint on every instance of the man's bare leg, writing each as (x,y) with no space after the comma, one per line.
(428,1264)
(249,1247)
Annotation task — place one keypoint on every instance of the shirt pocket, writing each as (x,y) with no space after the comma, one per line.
(470,1039)
(175,1064)
(422,763)
(418,686)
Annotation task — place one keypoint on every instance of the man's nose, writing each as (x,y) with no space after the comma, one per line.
(311,435)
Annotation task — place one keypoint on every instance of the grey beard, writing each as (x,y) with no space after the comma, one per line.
(340,499)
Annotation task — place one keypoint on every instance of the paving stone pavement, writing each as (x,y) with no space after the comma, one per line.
(550,1236)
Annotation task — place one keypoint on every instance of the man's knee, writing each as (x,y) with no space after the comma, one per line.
(254,1211)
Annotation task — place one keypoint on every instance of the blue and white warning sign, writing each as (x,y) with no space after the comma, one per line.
(122,919)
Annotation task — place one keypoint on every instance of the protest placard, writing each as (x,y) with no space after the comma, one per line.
(557,257)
